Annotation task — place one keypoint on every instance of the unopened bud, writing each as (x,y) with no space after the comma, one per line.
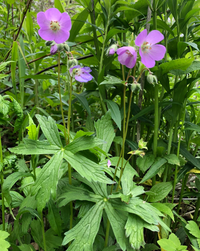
(71,63)
(135,86)
(54,49)
(66,47)
(112,49)
(152,79)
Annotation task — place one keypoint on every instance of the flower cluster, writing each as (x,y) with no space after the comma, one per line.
(81,73)
(149,50)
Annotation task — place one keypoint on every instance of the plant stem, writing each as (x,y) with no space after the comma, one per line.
(168,152)
(61,106)
(196,210)
(2,195)
(43,233)
(107,233)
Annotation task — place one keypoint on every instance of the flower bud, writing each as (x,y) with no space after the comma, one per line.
(54,49)
(71,63)
(66,47)
(135,86)
(152,79)
(112,49)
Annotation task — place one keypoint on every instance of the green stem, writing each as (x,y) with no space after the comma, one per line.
(61,106)
(168,152)
(2,195)
(43,233)
(107,233)
(155,139)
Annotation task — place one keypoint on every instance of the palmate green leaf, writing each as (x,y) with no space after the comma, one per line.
(135,231)
(77,193)
(172,159)
(9,183)
(194,230)
(82,99)
(86,168)
(145,162)
(182,64)
(3,243)
(115,112)
(171,244)
(161,190)
(127,178)
(45,185)
(26,247)
(83,143)
(117,220)
(154,169)
(54,218)
(29,146)
(164,208)
(50,130)
(85,231)
(105,131)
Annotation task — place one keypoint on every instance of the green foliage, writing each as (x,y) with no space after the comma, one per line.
(173,243)
(4,244)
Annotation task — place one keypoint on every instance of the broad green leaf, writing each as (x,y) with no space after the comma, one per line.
(191,126)
(134,230)
(81,98)
(171,244)
(4,106)
(14,58)
(154,169)
(50,130)
(29,146)
(127,178)
(29,210)
(53,242)
(113,32)
(59,6)
(111,80)
(10,2)
(54,218)
(162,25)
(145,162)
(29,26)
(194,230)
(164,209)
(195,66)
(172,159)
(41,76)
(105,131)
(36,232)
(46,183)
(86,168)
(3,243)
(182,64)
(189,157)
(77,193)
(83,143)
(26,247)
(78,23)
(115,112)
(161,190)
(117,221)
(33,131)
(85,231)
(9,183)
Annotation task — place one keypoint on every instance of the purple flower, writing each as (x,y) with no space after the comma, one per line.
(127,56)
(54,49)
(108,163)
(111,51)
(82,73)
(149,50)
(54,25)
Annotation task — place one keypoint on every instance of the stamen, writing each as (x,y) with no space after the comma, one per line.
(54,25)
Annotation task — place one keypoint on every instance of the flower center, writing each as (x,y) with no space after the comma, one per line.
(128,52)
(146,46)
(54,25)
(79,72)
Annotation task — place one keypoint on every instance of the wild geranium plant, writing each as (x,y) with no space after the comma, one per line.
(100,126)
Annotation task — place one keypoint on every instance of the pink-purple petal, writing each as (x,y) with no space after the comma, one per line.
(83,78)
(122,58)
(122,50)
(65,22)
(141,38)
(47,34)
(154,37)
(157,52)
(53,14)
(111,51)
(61,36)
(146,59)
(42,20)
(86,69)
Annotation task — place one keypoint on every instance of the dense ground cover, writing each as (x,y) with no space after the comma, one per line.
(100,125)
